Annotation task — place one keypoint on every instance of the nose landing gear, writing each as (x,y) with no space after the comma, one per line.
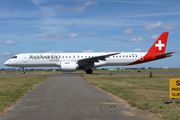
(22,70)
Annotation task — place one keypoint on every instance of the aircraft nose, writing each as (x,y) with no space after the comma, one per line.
(6,63)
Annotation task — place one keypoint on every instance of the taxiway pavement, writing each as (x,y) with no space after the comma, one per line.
(70,97)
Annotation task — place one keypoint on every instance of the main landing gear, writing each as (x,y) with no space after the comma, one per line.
(89,71)
(22,70)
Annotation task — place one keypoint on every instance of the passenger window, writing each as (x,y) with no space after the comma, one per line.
(69,56)
(126,55)
(62,56)
(123,56)
(129,55)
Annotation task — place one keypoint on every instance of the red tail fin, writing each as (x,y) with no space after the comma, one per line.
(159,46)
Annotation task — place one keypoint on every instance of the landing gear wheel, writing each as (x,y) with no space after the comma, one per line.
(89,71)
(23,72)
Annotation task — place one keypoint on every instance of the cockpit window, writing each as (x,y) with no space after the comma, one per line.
(14,57)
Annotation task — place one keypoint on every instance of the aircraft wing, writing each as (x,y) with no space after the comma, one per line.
(97,58)
(166,54)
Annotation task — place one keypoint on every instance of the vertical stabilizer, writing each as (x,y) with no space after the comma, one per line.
(159,46)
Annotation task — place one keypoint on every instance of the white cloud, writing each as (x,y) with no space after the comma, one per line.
(89,3)
(64,35)
(5,54)
(159,24)
(37,2)
(86,34)
(140,39)
(88,51)
(59,35)
(59,6)
(153,26)
(153,14)
(54,52)
(140,50)
(79,9)
(47,12)
(128,31)
(178,51)
(9,42)
(170,26)
(65,51)
(154,37)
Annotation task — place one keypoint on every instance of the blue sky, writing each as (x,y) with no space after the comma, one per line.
(36,26)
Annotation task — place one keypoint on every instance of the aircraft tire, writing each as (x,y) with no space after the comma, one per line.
(23,72)
(89,71)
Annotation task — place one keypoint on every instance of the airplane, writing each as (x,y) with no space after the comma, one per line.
(73,61)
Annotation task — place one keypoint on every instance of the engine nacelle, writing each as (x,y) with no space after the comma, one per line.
(68,66)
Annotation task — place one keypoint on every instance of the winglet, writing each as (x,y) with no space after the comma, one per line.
(159,46)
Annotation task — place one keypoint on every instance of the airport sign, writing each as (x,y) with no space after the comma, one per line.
(174,88)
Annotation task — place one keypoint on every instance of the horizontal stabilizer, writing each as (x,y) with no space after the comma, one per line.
(164,55)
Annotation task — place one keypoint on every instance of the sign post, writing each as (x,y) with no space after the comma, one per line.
(174,89)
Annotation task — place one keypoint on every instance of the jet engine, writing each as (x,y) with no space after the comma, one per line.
(68,66)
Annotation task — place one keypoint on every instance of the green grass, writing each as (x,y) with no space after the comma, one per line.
(14,88)
(30,72)
(95,71)
(132,71)
(140,91)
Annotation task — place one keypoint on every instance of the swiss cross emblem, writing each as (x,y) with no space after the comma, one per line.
(160,45)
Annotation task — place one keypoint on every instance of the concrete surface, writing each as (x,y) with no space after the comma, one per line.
(70,97)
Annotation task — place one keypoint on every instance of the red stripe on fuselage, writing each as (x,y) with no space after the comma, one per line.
(147,58)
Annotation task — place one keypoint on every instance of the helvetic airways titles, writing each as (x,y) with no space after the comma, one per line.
(53,56)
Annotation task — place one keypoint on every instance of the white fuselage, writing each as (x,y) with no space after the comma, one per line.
(55,59)
(86,61)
